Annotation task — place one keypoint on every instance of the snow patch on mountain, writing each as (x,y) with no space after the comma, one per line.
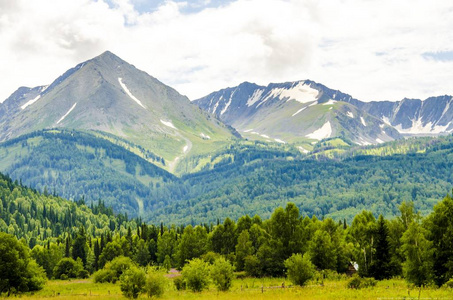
(299,111)
(303,150)
(227,105)
(363,121)
(67,113)
(280,141)
(255,97)
(31,102)
(168,124)
(300,92)
(322,133)
(350,114)
(419,128)
(330,102)
(205,136)
(386,120)
(120,80)
(379,141)
(447,107)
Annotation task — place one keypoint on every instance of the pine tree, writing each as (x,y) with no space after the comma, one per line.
(380,268)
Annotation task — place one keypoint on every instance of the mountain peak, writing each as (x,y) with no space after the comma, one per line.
(107,55)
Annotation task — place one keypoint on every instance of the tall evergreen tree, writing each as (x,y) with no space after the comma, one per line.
(380,267)
(79,246)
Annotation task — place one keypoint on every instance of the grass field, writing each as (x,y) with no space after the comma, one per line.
(248,288)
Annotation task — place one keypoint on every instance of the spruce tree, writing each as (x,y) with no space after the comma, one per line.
(380,268)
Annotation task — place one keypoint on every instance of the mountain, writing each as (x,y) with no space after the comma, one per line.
(297,112)
(432,116)
(108,95)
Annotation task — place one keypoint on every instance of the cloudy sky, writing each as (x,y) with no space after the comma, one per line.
(373,50)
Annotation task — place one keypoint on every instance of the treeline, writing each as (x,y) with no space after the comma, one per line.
(419,249)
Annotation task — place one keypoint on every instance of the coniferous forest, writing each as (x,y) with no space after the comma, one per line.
(61,239)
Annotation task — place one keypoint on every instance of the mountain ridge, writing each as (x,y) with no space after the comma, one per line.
(260,107)
(300,111)
(107,94)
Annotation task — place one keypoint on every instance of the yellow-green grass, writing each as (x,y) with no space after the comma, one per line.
(249,288)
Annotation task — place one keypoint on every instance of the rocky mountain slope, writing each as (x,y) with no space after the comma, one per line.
(108,95)
(301,111)
(432,116)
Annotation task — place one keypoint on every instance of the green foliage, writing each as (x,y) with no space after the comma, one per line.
(258,179)
(196,275)
(440,226)
(132,282)
(113,270)
(380,267)
(322,251)
(18,272)
(299,269)
(69,268)
(418,251)
(111,251)
(166,245)
(359,283)
(449,284)
(252,266)
(244,248)
(222,274)
(167,263)
(78,164)
(47,257)
(362,232)
(156,283)
(193,244)
(179,283)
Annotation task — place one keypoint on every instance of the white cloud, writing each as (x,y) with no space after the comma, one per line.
(374,50)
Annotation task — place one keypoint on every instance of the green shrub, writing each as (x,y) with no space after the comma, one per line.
(132,282)
(18,272)
(156,282)
(210,257)
(113,270)
(252,266)
(167,263)
(354,283)
(222,274)
(104,275)
(179,283)
(299,269)
(68,268)
(358,283)
(195,274)
(449,284)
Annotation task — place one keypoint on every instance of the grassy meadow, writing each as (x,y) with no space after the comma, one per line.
(247,288)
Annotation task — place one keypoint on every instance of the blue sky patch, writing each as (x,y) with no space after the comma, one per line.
(439,56)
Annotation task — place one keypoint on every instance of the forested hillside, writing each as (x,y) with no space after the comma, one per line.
(37,217)
(75,164)
(335,179)
(253,179)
